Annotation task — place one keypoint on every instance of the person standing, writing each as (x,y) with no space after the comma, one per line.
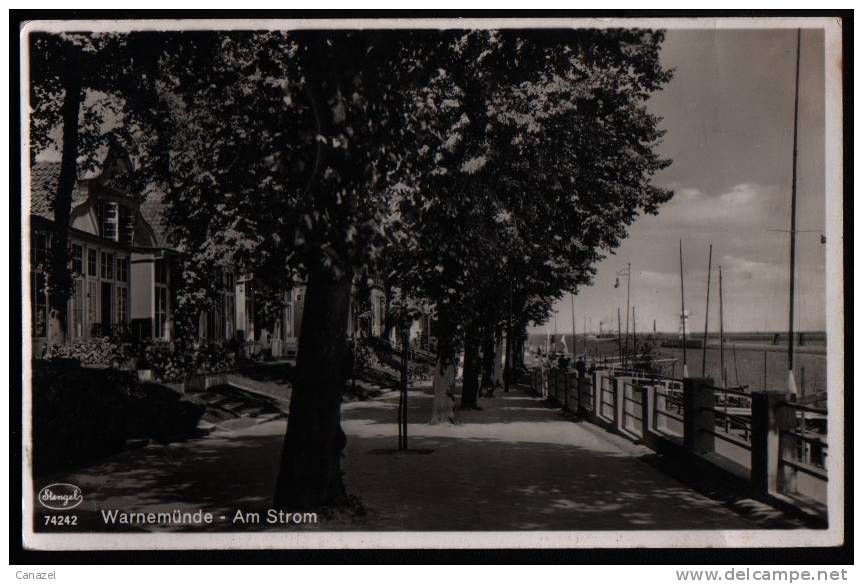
(546,373)
(580,367)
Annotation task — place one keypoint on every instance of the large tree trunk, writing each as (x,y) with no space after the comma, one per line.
(507,366)
(59,275)
(498,360)
(470,383)
(443,403)
(310,474)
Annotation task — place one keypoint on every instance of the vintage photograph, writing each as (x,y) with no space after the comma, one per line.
(562,283)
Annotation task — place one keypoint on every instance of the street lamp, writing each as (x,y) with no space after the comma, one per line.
(625,273)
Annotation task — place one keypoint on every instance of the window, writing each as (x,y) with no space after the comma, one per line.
(289,319)
(230,314)
(162,309)
(107,266)
(77,259)
(92,305)
(250,312)
(161,330)
(110,219)
(77,314)
(128,220)
(211,325)
(91,262)
(122,305)
(161,272)
(228,305)
(298,314)
(40,306)
(380,316)
(39,252)
(122,269)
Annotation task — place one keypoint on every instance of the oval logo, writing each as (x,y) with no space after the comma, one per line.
(60,497)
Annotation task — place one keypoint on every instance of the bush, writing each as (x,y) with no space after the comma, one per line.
(81,414)
(181,360)
(99,351)
(380,348)
(159,413)
(419,371)
(78,414)
(171,362)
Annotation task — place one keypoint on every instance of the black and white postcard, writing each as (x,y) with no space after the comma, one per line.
(430,283)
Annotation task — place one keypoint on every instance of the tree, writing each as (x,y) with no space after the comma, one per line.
(69,74)
(93,90)
(461,161)
(535,151)
(281,146)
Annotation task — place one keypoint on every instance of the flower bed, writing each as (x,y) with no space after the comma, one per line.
(170,361)
(100,351)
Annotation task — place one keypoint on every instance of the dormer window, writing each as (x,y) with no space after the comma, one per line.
(128,220)
(117,222)
(109,215)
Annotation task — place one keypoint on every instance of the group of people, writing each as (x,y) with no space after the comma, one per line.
(550,363)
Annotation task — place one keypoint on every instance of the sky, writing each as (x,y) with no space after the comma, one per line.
(729,115)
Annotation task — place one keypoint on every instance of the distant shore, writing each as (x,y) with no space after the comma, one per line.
(804,349)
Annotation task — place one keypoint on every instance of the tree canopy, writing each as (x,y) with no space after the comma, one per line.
(477,171)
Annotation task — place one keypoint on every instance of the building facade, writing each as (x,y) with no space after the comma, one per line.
(126,273)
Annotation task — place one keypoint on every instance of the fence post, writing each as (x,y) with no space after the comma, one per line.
(597,393)
(557,386)
(619,404)
(648,395)
(699,418)
(565,389)
(584,387)
(770,417)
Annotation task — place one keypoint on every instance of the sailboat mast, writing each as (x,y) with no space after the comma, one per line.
(682,311)
(793,252)
(572,306)
(721,334)
(706,313)
(584,341)
(619,341)
(628,281)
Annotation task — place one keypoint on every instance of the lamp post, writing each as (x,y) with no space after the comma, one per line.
(625,273)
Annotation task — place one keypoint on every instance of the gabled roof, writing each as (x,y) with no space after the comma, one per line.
(43,185)
(153,212)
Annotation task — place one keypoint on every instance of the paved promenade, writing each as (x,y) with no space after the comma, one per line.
(516,465)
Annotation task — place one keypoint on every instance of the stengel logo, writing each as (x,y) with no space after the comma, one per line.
(60,496)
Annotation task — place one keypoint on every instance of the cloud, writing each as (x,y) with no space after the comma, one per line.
(745,205)
(742,269)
